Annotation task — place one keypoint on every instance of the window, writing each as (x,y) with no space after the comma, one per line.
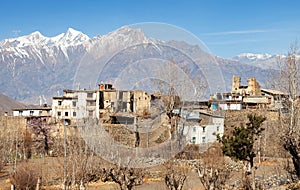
(91,113)
(90,95)
(66,113)
(58,113)
(40,112)
(74,104)
(203,129)
(74,114)
(194,129)
(21,113)
(193,140)
(59,103)
(91,103)
(203,139)
(218,128)
(31,112)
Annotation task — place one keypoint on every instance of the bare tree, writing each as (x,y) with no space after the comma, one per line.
(289,83)
(125,177)
(176,174)
(212,169)
(80,165)
(14,141)
(41,129)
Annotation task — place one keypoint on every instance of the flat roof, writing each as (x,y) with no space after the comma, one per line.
(271,91)
(33,108)
(63,97)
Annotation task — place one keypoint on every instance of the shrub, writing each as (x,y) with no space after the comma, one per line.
(24,178)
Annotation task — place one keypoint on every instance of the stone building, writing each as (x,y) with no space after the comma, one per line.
(250,96)
(253,88)
(80,104)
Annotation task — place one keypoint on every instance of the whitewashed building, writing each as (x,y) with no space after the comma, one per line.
(206,131)
(75,104)
(226,101)
(32,111)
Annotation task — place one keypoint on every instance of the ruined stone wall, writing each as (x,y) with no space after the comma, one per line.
(236,82)
(253,87)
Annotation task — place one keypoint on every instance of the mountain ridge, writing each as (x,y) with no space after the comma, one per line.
(35,65)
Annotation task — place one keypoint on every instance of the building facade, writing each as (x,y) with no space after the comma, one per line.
(32,111)
(78,104)
(207,129)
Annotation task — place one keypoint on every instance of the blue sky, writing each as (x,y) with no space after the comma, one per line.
(227,27)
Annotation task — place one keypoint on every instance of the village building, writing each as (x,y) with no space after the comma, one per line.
(226,101)
(74,105)
(32,111)
(105,101)
(250,96)
(206,130)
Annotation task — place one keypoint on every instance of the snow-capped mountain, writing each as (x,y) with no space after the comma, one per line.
(252,56)
(70,38)
(265,61)
(40,48)
(35,65)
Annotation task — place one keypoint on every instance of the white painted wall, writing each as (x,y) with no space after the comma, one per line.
(232,106)
(206,133)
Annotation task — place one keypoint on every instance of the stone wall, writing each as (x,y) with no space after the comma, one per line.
(10,122)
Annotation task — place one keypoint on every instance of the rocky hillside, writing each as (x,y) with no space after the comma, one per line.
(7,104)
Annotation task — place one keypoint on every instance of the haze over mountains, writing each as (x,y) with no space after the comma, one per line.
(35,65)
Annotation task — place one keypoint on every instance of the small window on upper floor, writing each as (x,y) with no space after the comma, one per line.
(203,139)
(74,104)
(194,129)
(31,112)
(66,113)
(58,113)
(59,103)
(203,129)
(90,95)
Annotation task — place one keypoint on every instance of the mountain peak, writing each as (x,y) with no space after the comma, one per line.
(73,32)
(71,37)
(36,33)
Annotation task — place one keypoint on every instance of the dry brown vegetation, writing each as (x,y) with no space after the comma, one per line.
(84,169)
